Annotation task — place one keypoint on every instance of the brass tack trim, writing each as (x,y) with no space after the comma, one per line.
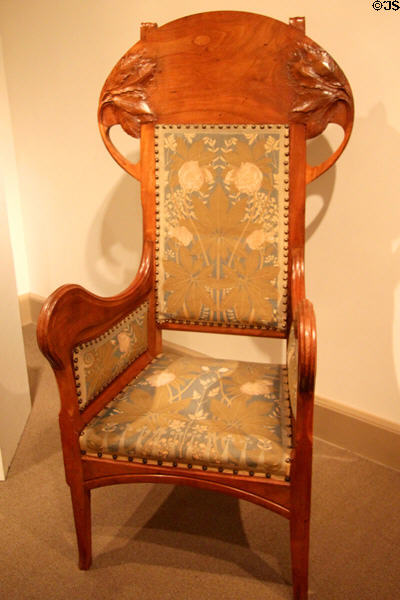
(165,464)
(139,311)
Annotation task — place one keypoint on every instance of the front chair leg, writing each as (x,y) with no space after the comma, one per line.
(81,507)
(299,541)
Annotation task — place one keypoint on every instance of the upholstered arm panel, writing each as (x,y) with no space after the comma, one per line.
(99,361)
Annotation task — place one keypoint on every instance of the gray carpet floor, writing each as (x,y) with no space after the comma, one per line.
(159,542)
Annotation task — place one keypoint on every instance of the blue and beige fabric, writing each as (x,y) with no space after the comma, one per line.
(99,361)
(199,413)
(222,210)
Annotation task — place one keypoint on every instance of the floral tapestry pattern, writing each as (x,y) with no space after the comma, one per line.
(99,361)
(202,412)
(223,224)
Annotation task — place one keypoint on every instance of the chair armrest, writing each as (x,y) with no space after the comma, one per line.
(92,342)
(301,362)
(297,279)
(72,315)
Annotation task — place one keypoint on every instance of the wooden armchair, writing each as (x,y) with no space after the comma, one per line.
(223,103)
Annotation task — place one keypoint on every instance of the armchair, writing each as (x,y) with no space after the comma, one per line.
(223,103)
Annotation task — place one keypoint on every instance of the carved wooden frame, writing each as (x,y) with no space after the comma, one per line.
(141,90)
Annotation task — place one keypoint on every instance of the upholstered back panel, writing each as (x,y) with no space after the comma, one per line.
(222,224)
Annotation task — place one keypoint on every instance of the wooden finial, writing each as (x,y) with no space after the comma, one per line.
(298,23)
(145,28)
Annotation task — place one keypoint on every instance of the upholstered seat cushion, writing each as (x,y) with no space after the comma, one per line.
(201,413)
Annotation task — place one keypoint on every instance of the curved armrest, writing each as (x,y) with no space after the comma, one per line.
(297,287)
(301,360)
(72,315)
(97,345)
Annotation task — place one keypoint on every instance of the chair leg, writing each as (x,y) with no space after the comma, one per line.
(81,507)
(299,541)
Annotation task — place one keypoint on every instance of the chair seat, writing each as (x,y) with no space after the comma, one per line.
(199,413)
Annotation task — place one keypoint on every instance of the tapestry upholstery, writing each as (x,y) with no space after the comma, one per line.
(99,361)
(292,362)
(202,413)
(222,224)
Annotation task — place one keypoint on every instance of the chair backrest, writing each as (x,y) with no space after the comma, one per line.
(222,241)
(223,103)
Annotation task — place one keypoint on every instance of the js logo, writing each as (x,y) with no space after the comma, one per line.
(386,5)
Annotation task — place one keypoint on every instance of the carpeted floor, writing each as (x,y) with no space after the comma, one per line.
(155,542)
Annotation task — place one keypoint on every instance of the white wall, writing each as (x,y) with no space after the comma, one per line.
(14,389)
(57,56)
(15,404)
(11,185)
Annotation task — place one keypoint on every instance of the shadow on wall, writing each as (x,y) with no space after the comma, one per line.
(355,256)
(388,235)
(318,150)
(115,242)
(369,244)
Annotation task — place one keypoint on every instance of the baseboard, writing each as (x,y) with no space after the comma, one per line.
(362,433)
(29,307)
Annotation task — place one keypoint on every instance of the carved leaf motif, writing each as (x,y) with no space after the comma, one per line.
(125,94)
(319,84)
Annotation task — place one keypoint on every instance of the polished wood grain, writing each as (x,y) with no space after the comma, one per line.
(301,471)
(227,67)
(271,494)
(218,67)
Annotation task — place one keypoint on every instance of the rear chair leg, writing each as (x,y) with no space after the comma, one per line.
(81,507)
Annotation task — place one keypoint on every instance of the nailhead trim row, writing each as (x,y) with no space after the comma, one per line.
(141,311)
(174,464)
